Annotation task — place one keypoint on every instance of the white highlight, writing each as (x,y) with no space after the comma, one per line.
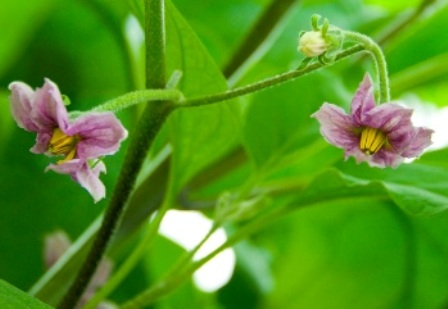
(430,116)
(134,33)
(188,228)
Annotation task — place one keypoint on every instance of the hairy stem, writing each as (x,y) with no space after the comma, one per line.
(145,132)
(378,58)
(140,96)
(268,83)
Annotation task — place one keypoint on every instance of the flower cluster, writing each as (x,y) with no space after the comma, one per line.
(382,135)
(81,142)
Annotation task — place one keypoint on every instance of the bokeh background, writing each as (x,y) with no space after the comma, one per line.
(343,254)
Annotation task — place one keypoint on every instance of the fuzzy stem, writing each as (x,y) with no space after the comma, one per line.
(136,97)
(267,83)
(145,132)
(378,58)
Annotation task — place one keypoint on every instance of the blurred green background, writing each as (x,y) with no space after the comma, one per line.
(344,253)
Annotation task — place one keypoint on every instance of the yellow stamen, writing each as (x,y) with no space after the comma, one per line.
(62,144)
(372,140)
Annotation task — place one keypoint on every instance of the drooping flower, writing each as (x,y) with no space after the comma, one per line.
(81,141)
(382,135)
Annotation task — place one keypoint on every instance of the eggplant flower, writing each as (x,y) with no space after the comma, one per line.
(80,142)
(382,135)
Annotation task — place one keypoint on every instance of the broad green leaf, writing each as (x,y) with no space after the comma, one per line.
(354,251)
(418,188)
(13,298)
(198,135)
(279,121)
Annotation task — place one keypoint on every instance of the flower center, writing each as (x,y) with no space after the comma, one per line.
(371,140)
(62,144)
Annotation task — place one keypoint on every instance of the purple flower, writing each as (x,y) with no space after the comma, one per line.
(80,141)
(382,135)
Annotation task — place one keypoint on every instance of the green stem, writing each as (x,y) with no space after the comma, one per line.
(183,264)
(267,83)
(133,258)
(174,280)
(379,60)
(169,283)
(136,97)
(145,132)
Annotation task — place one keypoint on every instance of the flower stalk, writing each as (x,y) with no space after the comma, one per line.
(269,82)
(379,60)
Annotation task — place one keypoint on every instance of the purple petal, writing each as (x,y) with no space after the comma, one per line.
(363,101)
(385,158)
(21,98)
(336,126)
(388,117)
(49,110)
(101,134)
(42,141)
(70,167)
(81,172)
(357,154)
(420,141)
(89,179)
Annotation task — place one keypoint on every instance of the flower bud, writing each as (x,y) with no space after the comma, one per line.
(312,44)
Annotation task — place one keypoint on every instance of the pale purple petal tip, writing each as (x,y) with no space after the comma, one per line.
(22,99)
(420,141)
(336,126)
(81,172)
(89,179)
(363,101)
(101,134)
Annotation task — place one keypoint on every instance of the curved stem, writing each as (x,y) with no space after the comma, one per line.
(136,97)
(267,83)
(144,134)
(378,58)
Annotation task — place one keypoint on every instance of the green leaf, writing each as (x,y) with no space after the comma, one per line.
(279,121)
(418,188)
(198,135)
(13,298)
